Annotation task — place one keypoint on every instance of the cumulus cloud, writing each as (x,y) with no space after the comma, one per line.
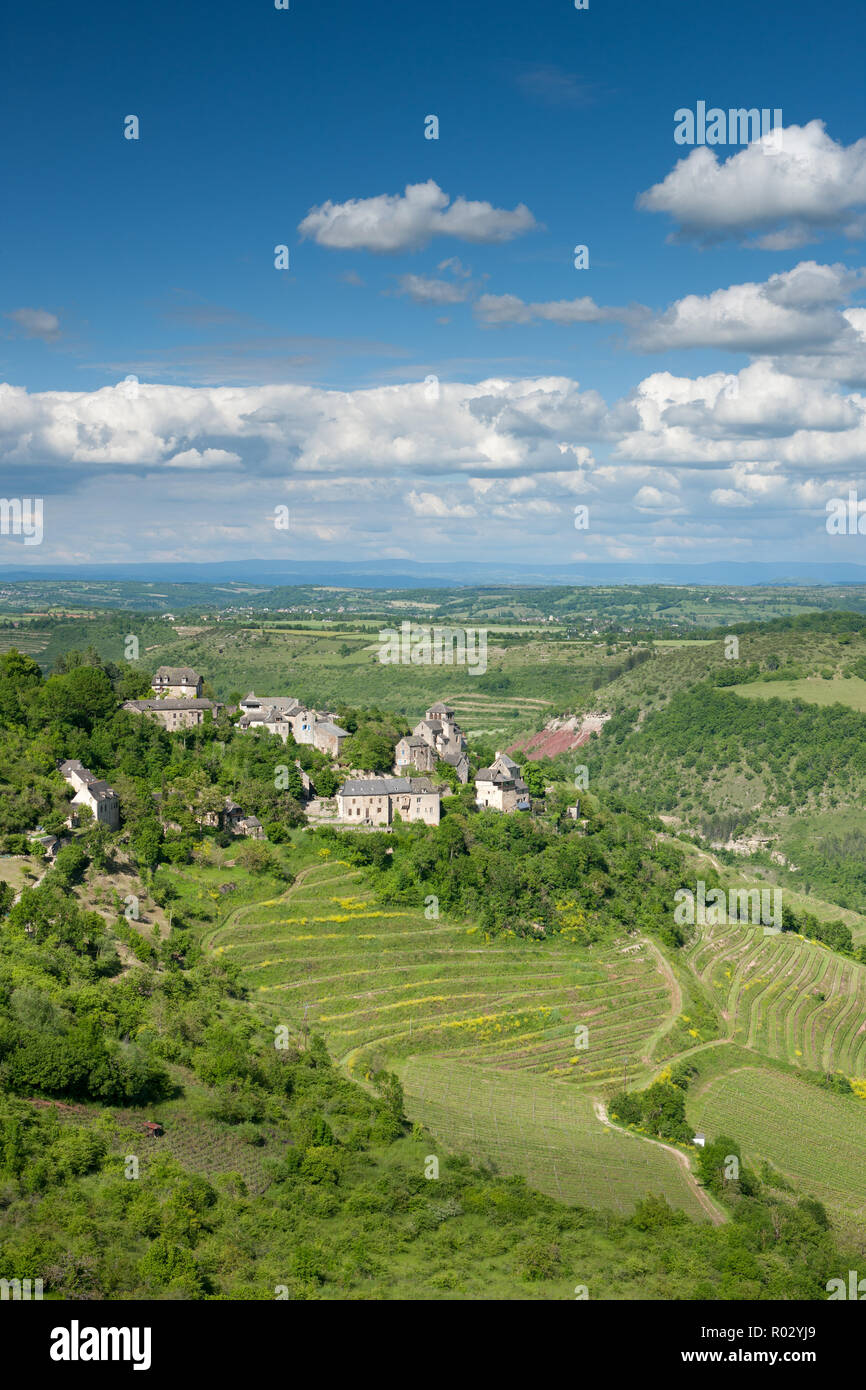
(760,415)
(393,222)
(654,499)
(36,323)
(810,187)
(204,458)
(665,470)
(495,426)
(791,311)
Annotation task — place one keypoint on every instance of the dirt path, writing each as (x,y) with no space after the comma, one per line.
(716,1214)
(233,917)
(34,884)
(673,985)
(230,918)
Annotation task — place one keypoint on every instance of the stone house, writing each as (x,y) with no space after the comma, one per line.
(306,782)
(328,737)
(414,751)
(302,722)
(235,819)
(173,714)
(500,786)
(318,729)
(50,844)
(92,792)
(177,682)
(250,826)
(438,735)
(271,712)
(460,763)
(281,714)
(376,800)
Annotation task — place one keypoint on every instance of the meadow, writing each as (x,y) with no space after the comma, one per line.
(840,690)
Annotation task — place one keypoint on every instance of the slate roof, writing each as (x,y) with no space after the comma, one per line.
(283,704)
(177,675)
(97,788)
(100,790)
(330,728)
(385,786)
(199,703)
(73,765)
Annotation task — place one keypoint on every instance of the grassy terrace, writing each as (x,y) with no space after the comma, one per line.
(482,1033)
(384,983)
(785,996)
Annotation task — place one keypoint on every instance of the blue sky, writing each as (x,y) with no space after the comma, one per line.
(260,387)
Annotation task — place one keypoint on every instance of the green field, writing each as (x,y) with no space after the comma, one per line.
(842,690)
(816,1139)
(550,1134)
(383,983)
(19,869)
(482,1033)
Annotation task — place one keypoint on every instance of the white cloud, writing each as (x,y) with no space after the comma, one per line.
(794,310)
(431,504)
(206,458)
(406,221)
(653,499)
(793,195)
(425,289)
(729,497)
(684,463)
(508,308)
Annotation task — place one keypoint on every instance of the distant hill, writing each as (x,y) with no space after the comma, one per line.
(376,574)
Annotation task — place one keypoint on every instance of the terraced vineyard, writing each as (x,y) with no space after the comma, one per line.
(481,1033)
(550,1134)
(816,1139)
(785,996)
(382,983)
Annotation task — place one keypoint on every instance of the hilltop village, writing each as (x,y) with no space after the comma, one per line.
(437,744)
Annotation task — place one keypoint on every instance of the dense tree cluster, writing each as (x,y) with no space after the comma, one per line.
(517,873)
